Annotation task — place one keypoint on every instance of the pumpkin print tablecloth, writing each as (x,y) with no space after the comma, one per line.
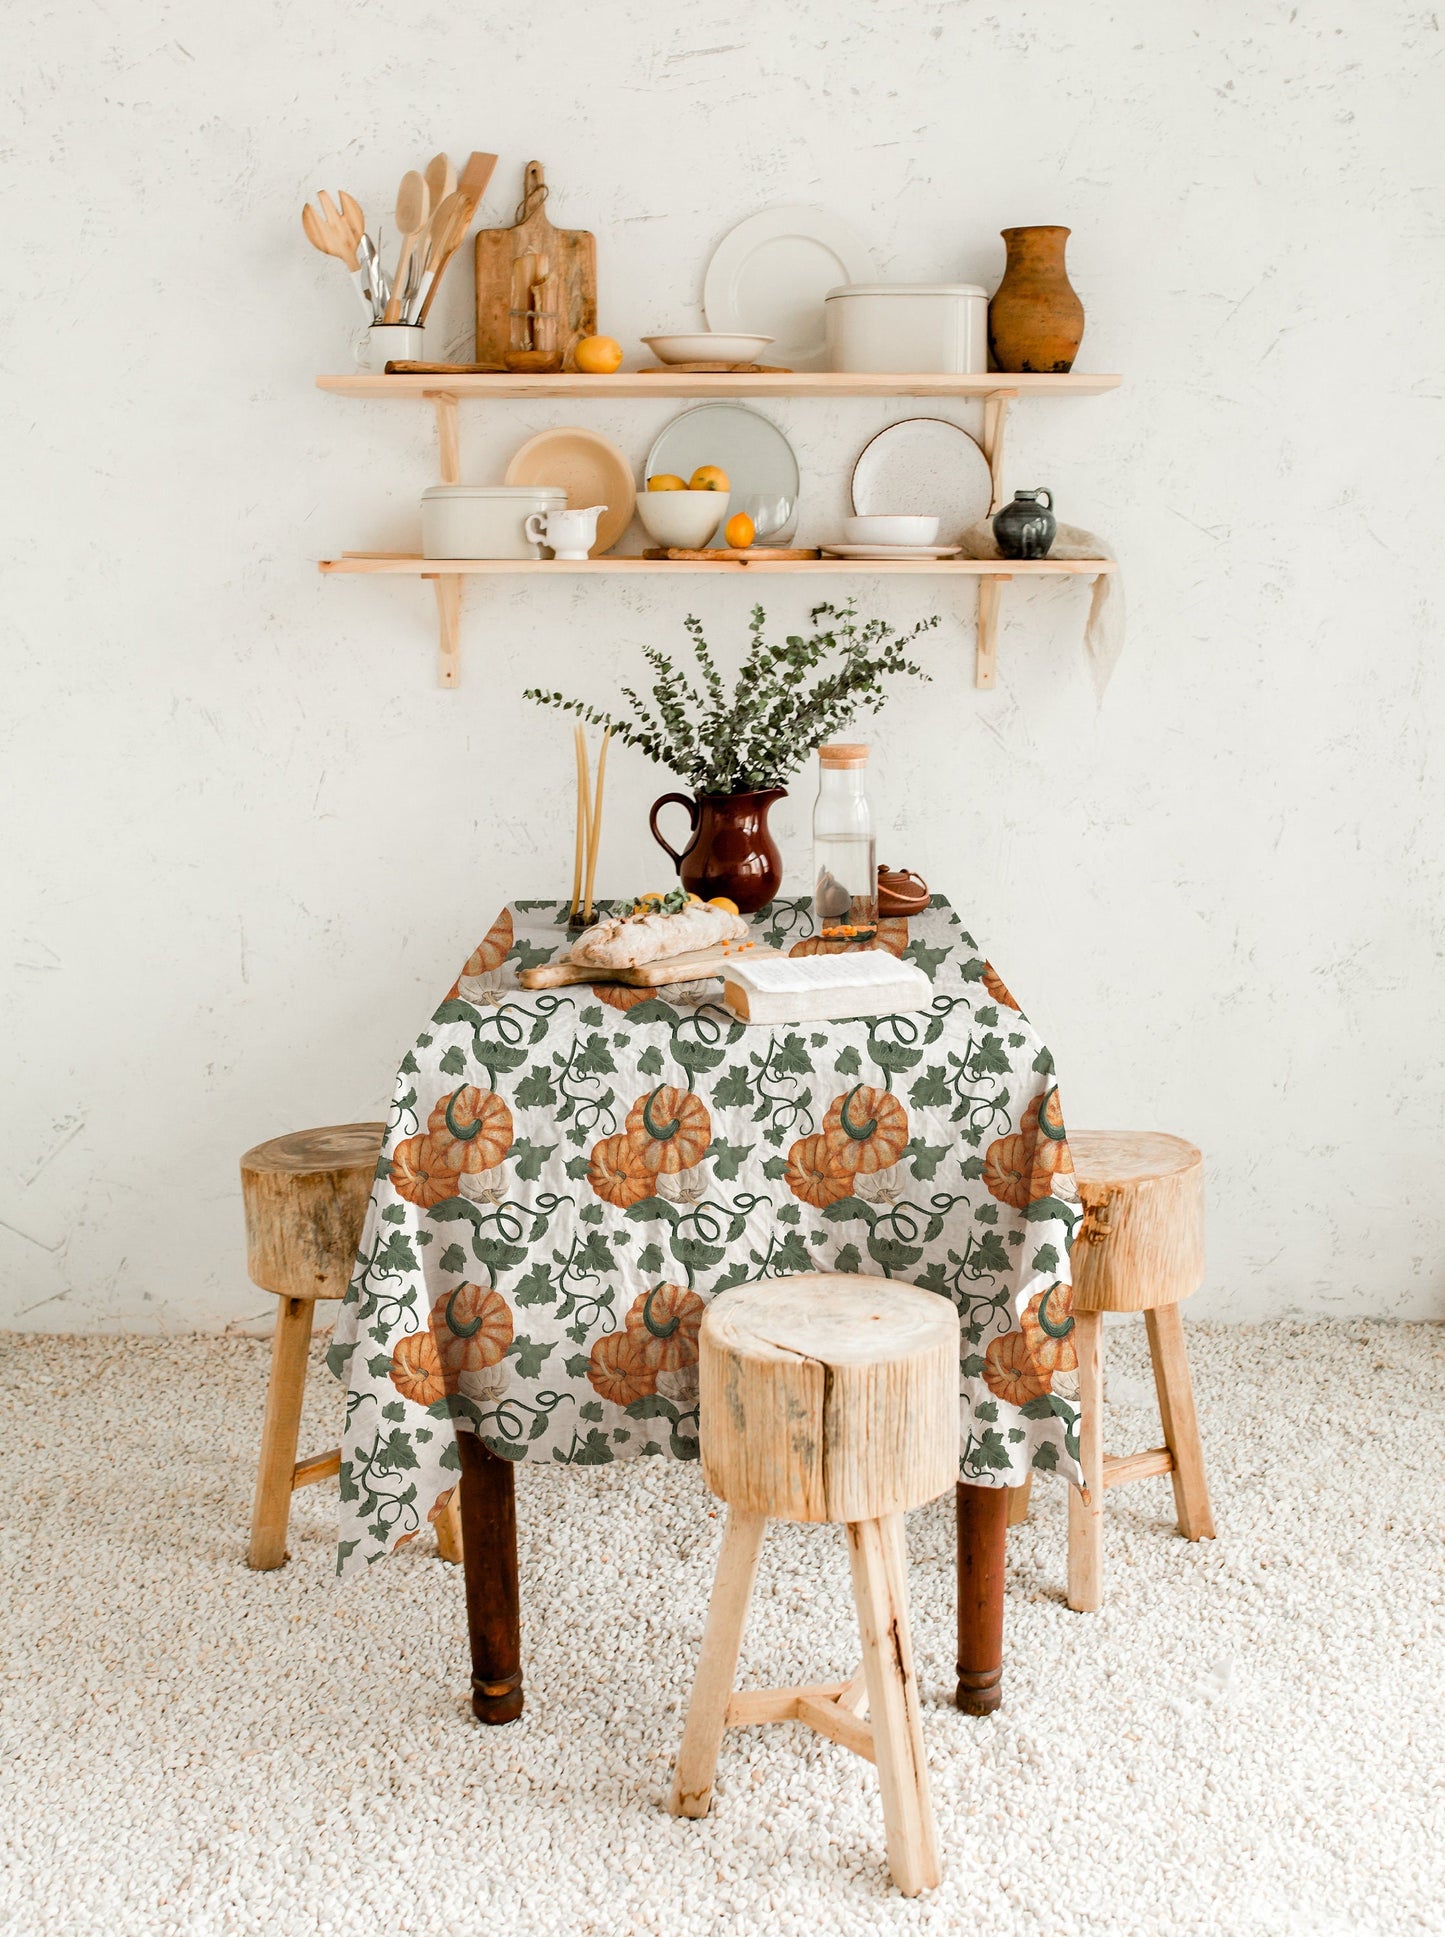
(569,1176)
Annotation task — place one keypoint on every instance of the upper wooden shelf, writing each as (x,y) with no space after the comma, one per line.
(802,383)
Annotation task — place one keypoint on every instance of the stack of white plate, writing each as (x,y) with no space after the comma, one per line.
(891,536)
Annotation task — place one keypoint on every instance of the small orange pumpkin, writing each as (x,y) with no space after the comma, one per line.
(812,1174)
(666,1320)
(669,1129)
(620,1370)
(1010,1373)
(617,1174)
(493,949)
(618,996)
(416,1370)
(1008,1170)
(996,986)
(867,1130)
(472,1327)
(471,1128)
(1043,1126)
(1048,1329)
(421,1174)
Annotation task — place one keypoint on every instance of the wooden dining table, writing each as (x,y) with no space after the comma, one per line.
(570,1175)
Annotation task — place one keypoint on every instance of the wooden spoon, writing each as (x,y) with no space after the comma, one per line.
(412,206)
(449,225)
(441,180)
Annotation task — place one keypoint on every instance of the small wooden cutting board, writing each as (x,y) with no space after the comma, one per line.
(571,258)
(695,966)
(707,556)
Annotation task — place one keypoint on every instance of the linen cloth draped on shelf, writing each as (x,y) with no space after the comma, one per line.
(1104,627)
(568,1176)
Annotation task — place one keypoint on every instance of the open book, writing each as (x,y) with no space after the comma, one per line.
(823,988)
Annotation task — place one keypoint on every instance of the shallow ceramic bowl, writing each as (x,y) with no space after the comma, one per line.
(891,531)
(707,346)
(684,518)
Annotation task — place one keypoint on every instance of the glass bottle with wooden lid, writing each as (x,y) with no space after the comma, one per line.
(845,873)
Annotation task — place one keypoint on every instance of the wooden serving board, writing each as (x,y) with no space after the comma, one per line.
(714,369)
(727,551)
(695,966)
(571,258)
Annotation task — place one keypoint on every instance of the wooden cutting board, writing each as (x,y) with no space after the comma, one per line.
(727,551)
(571,257)
(695,966)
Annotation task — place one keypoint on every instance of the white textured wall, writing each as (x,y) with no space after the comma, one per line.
(247,841)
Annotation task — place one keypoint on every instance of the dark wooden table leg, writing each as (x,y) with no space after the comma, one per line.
(982,1525)
(494,1601)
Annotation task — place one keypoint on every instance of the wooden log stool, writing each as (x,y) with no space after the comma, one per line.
(1139,1248)
(826,1397)
(305,1196)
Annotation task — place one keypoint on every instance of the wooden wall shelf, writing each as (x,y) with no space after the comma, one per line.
(997,390)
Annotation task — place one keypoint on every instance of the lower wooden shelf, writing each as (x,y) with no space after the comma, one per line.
(988,574)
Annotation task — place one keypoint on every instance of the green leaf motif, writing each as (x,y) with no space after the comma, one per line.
(986,1214)
(973,1366)
(577,1364)
(594,1450)
(596,1058)
(989,1454)
(650,1061)
(817,1040)
(695,1056)
(652,1210)
(591,1017)
(649,1260)
(596,1255)
(791,1058)
(529,1158)
(526,956)
(453,1258)
(790,1256)
(989,1253)
(1046,1457)
(652,1406)
(930,1091)
(737,1273)
(732,1091)
(1044,1209)
(529,1355)
(578,1167)
(695,1255)
(930,960)
(536,1288)
(848,1259)
(988,1410)
(728,1158)
(394,1214)
(590,1214)
(789,1214)
(454,1063)
(1044,1063)
(987,1015)
(894,1056)
(847,1062)
(396,1411)
(892,1254)
(926,1157)
(971,970)
(988,1059)
(535,1090)
(1046,1258)
(775,1167)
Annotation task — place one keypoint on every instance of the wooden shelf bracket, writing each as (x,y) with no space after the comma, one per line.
(985,662)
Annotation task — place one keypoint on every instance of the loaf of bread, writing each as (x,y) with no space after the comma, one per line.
(627,941)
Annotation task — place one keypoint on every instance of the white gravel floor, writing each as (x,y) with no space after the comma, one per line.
(1250,1738)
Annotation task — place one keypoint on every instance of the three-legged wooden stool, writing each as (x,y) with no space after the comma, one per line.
(826,1397)
(1140,1248)
(305,1196)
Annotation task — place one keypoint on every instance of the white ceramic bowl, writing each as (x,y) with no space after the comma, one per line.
(891,531)
(707,346)
(685,518)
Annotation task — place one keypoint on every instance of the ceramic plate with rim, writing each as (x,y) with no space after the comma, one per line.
(589,468)
(752,450)
(707,346)
(891,551)
(773,271)
(924,467)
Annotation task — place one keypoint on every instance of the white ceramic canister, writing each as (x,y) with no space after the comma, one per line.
(917,329)
(484,520)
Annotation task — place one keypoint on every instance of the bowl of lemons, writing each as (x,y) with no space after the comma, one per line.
(684,513)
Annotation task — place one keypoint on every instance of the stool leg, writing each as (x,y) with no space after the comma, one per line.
(880,1589)
(1086,1503)
(982,1513)
(449,1528)
(1181,1423)
(271,1511)
(717,1667)
(488,1494)
(1018,1503)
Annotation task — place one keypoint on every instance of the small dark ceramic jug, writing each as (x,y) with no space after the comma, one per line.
(731,851)
(1026,528)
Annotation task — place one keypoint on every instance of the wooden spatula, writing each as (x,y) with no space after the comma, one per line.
(411,214)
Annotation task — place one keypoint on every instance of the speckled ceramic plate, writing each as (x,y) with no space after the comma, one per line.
(924,467)
(589,468)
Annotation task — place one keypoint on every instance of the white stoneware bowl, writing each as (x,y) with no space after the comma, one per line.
(890,531)
(683,518)
(707,346)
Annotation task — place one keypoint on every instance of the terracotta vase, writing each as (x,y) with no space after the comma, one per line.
(1035,321)
(731,851)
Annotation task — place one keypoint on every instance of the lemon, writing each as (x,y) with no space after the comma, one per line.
(599,356)
(710,477)
(666,481)
(739,531)
(721,901)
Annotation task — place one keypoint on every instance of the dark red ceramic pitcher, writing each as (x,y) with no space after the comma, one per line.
(731,851)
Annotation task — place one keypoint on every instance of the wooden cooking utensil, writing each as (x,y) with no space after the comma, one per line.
(707,553)
(445,227)
(441,179)
(411,214)
(471,186)
(696,966)
(330,231)
(572,262)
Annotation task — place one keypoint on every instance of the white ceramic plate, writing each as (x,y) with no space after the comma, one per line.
(758,459)
(924,467)
(707,346)
(773,271)
(891,551)
(589,468)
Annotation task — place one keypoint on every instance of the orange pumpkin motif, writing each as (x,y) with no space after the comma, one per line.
(619,1368)
(416,1370)
(1008,1171)
(812,1174)
(1010,1373)
(493,950)
(892,937)
(666,1320)
(997,987)
(867,1129)
(472,1327)
(617,1173)
(1043,1127)
(618,996)
(421,1174)
(1048,1329)
(471,1128)
(669,1129)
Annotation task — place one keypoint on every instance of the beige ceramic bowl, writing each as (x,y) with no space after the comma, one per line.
(682,518)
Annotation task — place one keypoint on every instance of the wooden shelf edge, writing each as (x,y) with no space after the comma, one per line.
(406,565)
(801,383)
